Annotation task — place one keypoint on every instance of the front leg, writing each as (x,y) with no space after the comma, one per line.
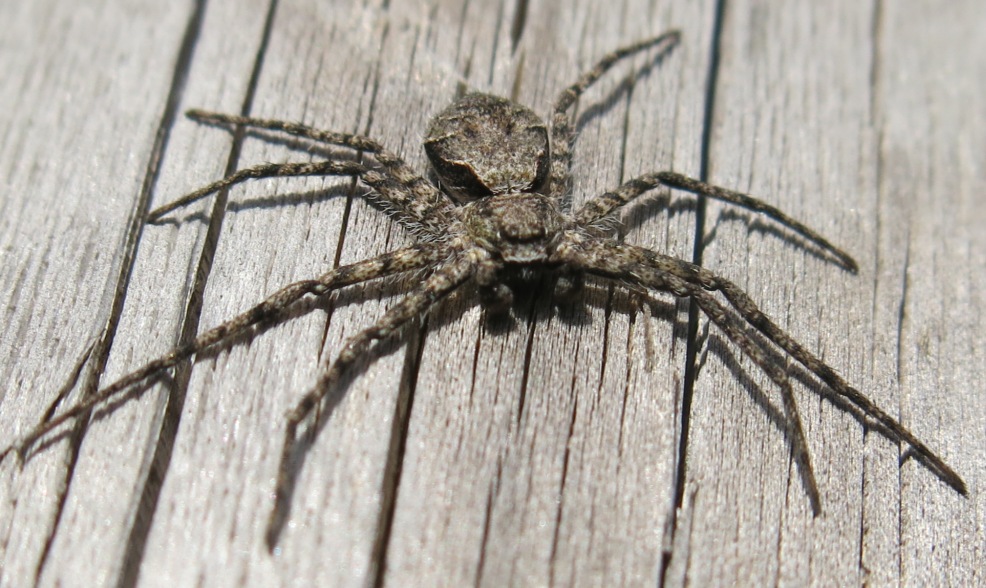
(563,127)
(599,208)
(417,200)
(393,193)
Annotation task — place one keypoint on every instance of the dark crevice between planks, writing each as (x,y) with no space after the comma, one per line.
(495,47)
(567,460)
(395,456)
(99,351)
(692,346)
(189,329)
(415,342)
(372,82)
(902,319)
(532,318)
(487,522)
(905,284)
(875,122)
(518,25)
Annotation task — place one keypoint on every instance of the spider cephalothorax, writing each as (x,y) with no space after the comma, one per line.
(499,214)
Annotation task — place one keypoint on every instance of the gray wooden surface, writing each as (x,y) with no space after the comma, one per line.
(543,453)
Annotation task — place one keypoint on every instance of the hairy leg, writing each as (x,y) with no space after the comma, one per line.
(414,198)
(273,308)
(608,261)
(562,125)
(599,208)
(445,280)
(628,262)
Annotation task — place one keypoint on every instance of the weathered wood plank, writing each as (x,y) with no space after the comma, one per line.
(84,94)
(790,123)
(540,452)
(803,120)
(554,462)
(933,210)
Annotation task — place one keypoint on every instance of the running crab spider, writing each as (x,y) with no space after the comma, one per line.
(496,219)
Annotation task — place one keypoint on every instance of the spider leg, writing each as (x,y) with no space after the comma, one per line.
(717,314)
(742,302)
(273,308)
(605,259)
(633,259)
(419,200)
(262,171)
(602,206)
(562,125)
(748,309)
(389,190)
(442,282)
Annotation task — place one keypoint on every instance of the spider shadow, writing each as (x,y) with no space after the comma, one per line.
(291,142)
(807,380)
(623,89)
(755,224)
(298,198)
(305,198)
(649,208)
(719,346)
(620,92)
(532,305)
(75,431)
(299,446)
(535,302)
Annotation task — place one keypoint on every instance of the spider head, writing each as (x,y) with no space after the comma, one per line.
(517,228)
(483,145)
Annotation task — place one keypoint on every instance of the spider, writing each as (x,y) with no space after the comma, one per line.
(497,219)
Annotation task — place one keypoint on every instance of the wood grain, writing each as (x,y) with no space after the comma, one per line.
(545,451)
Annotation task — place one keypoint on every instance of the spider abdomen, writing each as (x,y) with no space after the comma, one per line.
(483,145)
